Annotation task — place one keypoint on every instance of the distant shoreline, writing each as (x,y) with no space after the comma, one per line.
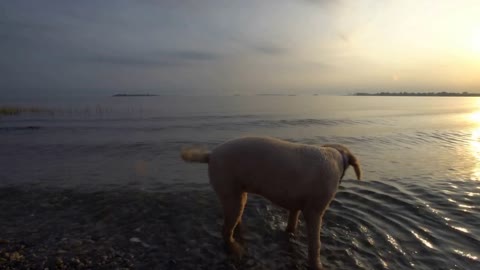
(134,95)
(425,94)
(280,95)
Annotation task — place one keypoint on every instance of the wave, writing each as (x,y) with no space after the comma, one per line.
(178,123)
(20,128)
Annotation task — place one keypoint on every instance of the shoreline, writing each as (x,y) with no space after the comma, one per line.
(428,94)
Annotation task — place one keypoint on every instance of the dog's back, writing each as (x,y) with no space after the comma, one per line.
(283,172)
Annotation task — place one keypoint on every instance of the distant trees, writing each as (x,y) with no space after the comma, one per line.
(423,94)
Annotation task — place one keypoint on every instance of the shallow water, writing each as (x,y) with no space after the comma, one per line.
(107,173)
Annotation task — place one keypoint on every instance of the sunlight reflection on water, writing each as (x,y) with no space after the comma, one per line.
(461,229)
(422,240)
(468,255)
(475,150)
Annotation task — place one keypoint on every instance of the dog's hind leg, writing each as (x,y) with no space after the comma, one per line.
(233,209)
(292,221)
(238,232)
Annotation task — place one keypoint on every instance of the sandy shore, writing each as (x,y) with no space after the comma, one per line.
(122,229)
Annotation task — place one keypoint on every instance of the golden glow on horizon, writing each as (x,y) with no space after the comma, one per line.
(395,45)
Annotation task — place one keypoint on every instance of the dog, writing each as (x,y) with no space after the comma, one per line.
(298,177)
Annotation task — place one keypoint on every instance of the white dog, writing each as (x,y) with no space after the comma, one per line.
(295,176)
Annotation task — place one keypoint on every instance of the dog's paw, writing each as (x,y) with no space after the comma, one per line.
(291,231)
(316,266)
(291,235)
(236,250)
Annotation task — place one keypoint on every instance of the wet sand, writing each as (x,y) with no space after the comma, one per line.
(127,229)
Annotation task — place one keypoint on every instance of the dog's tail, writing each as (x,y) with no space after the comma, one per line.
(352,160)
(195,154)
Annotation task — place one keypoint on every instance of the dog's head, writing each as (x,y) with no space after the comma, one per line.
(351,159)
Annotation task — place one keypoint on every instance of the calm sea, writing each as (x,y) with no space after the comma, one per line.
(108,170)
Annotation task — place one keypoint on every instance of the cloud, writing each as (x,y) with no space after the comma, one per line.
(344,37)
(269,50)
(21,30)
(128,61)
(11,25)
(322,2)
(318,65)
(163,59)
(190,55)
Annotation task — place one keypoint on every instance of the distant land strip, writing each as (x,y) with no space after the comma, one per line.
(134,95)
(16,110)
(419,94)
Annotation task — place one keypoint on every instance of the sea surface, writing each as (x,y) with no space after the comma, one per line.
(98,183)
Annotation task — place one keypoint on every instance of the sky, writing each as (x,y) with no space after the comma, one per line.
(52,47)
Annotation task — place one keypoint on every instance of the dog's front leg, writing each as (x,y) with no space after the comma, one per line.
(313,219)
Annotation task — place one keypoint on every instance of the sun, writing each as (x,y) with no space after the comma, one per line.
(475,119)
(475,42)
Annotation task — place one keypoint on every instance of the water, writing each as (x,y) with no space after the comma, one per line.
(107,174)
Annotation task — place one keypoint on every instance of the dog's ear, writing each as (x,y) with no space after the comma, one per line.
(352,160)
